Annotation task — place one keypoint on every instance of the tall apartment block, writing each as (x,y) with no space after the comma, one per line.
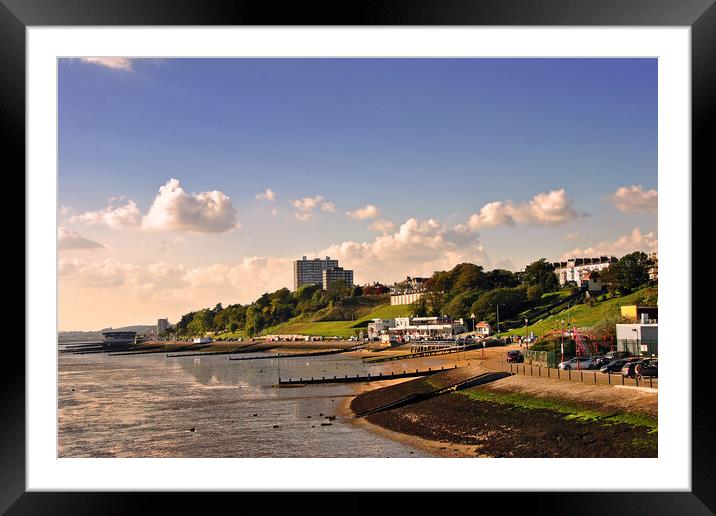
(330,276)
(310,272)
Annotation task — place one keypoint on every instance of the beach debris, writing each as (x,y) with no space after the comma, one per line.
(326,424)
(275,426)
(192,429)
(255,415)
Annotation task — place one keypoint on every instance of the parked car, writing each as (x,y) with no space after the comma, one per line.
(578,363)
(618,354)
(616,365)
(647,368)
(601,361)
(515,356)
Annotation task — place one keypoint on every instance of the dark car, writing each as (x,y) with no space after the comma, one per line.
(614,355)
(515,356)
(647,368)
(602,361)
(640,368)
(616,365)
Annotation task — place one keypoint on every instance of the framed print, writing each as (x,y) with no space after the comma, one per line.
(416,249)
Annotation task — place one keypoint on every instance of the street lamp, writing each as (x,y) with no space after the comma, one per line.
(526,339)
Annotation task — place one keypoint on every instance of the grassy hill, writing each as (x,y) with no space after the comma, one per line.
(338,328)
(584,315)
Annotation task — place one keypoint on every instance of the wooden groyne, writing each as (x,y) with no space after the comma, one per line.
(299,355)
(414,398)
(359,378)
(442,351)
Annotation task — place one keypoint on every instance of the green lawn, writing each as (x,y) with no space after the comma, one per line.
(582,315)
(337,328)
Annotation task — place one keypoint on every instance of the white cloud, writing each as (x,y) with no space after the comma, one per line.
(100,293)
(418,247)
(383,226)
(64,210)
(70,240)
(306,205)
(572,236)
(634,241)
(634,199)
(115,217)
(204,212)
(369,211)
(268,195)
(115,63)
(544,209)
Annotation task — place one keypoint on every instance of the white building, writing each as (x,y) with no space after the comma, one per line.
(405,299)
(575,269)
(482,329)
(427,327)
(379,326)
(639,339)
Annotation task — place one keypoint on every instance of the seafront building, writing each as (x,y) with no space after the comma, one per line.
(576,269)
(641,339)
(379,326)
(430,328)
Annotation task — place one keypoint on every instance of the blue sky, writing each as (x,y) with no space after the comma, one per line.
(417,138)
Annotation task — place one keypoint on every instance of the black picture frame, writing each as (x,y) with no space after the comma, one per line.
(700,15)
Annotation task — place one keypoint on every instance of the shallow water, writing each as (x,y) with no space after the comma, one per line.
(146,406)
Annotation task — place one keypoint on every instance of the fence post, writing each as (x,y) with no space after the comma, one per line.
(569,371)
(609,377)
(581,375)
(636,379)
(651,384)
(622,379)
(548,372)
(530,369)
(595,377)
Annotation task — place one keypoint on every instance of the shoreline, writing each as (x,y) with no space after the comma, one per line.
(518,417)
(437,448)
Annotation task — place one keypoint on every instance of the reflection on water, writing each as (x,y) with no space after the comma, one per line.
(153,406)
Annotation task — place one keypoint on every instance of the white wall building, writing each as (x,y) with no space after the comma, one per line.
(427,327)
(575,268)
(405,299)
(378,326)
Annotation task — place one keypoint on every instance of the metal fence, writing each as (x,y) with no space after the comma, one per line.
(541,358)
(643,348)
(574,375)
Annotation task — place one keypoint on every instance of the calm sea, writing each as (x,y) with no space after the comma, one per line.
(147,406)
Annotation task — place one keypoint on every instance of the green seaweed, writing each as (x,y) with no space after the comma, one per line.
(571,411)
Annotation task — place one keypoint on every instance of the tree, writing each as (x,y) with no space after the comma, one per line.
(541,273)
(510,301)
(628,274)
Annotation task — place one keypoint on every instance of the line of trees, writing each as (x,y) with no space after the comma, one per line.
(268,310)
(468,289)
(464,290)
